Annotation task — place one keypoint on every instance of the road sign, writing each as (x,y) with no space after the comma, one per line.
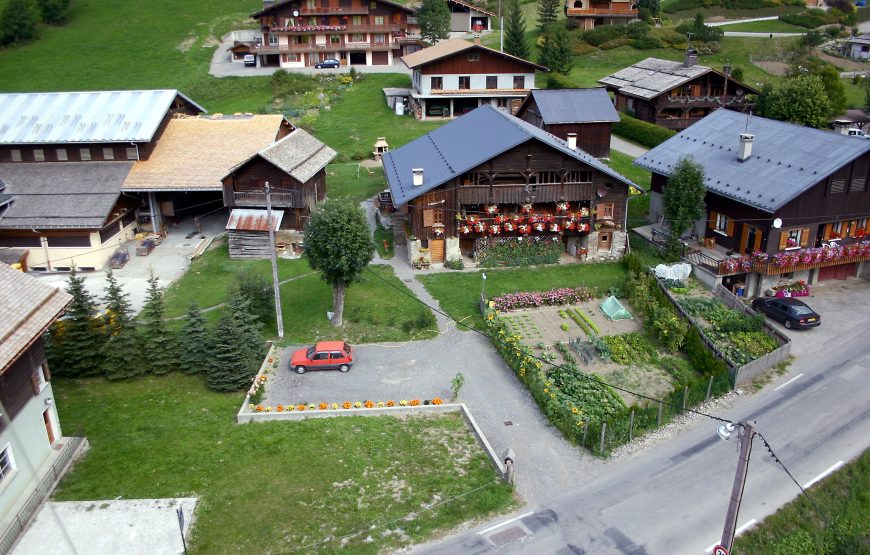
(720,550)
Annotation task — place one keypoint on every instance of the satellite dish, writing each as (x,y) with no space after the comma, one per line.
(602,190)
(295,13)
(777,223)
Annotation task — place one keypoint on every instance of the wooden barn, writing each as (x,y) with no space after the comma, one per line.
(248,232)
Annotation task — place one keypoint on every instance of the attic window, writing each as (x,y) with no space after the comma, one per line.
(16,155)
(474,56)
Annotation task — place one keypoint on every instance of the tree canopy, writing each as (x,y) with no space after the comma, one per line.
(548,11)
(515,42)
(75,343)
(683,201)
(556,51)
(338,244)
(159,342)
(434,19)
(801,99)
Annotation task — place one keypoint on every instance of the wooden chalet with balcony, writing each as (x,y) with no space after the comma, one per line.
(489,176)
(784,202)
(589,14)
(456,76)
(466,17)
(675,95)
(301,33)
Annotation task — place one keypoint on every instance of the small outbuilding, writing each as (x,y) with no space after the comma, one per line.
(248,232)
(465,17)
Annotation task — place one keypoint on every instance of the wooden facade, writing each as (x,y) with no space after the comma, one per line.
(486,62)
(20,382)
(593,137)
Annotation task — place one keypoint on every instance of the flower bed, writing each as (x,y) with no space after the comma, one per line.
(799,288)
(555,297)
(517,251)
(346,405)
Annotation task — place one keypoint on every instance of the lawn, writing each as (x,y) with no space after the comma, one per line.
(725,13)
(638,205)
(352,181)
(797,528)
(856,93)
(767,26)
(458,293)
(375,309)
(275,487)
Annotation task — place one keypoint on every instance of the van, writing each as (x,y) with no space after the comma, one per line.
(250,60)
(853,132)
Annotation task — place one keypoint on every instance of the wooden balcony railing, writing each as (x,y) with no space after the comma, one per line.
(358,10)
(676,123)
(606,12)
(286,200)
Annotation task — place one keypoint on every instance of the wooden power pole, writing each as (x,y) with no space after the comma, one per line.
(275,285)
(746,435)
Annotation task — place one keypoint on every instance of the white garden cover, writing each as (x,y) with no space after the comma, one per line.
(679,271)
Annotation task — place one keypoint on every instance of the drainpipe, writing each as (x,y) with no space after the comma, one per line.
(44,241)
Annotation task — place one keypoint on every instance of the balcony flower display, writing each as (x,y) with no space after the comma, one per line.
(494,229)
(570,223)
(492,209)
(584,212)
(499,219)
(759,257)
(516,218)
(465,230)
(730,264)
(438,230)
(479,227)
(526,208)
(562,206)
(539,226)
(524,229)
(583,227)
(746,262)
(472,219)
(555,228)
(509,226)
(789,243)
(796,289)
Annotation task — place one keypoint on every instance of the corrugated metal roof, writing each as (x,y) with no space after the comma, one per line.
(464,143)
(653,76)
(84,117)
(574,105)
(61,194)
(450,47)
(786,160)
(247,219)
(27,307)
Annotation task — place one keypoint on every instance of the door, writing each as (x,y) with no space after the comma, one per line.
(436,250)
(750,240)
(604,240)
(46,416)
(380,58)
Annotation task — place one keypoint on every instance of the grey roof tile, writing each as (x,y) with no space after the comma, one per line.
(651,77)
(299,154)
(575,105)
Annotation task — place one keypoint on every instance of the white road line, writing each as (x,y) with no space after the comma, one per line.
(780,386)
(834,467)
(737,532)
(491,528)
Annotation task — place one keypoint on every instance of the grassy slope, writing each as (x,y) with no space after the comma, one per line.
(271,487)
(638,205)
(769,26)
(718,11)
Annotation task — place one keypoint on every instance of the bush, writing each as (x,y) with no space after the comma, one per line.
(560,81)
(670,327)
(17,22)
(810,19)
(581,48)
(603,34)
(454,264)
(615,43)
(679,369)
(641,132)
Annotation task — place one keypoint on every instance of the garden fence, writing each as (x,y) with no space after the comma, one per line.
(42,490)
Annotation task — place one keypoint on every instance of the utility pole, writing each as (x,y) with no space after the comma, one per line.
(275,285)
(746,435)
(500,29)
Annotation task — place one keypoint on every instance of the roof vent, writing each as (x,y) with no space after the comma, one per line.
(745,150)
(691,57)
(572,141)
(417,176)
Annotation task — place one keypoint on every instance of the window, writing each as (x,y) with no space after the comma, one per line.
(838,181)
(356,19)
(721,223)
(464,82)
(39,378)
(436,83)
(38,155)
(380,38)
(16,155)
(859,176)
(132,153)
(335,39)
(7,463)
(578,176)
(519,81)
(69,241)
(474,55)
(28,241)
(108,153)
(85,154)
(604,211)
(836,230)
(379,20)
(794,238)
(358,37)
(335,355)
(61,154)
(491,81)
(273,39)
(320,356)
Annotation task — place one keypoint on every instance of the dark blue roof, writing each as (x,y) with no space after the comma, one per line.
(464,143)
(786,160)
(575,105)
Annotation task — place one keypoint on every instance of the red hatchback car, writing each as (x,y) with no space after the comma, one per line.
(326,355)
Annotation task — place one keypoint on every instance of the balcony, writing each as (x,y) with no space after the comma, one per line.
(395,30)
(325,47)
(280,200)
(616,11)
(676,124)
(358,10)
(702,101)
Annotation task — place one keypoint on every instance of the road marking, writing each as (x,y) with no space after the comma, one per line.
(834,467)
(780,386)
(737,532)
(514,519)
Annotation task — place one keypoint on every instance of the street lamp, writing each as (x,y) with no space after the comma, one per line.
(747,432)
(483,286)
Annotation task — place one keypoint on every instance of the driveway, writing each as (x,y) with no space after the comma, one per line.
(840,302)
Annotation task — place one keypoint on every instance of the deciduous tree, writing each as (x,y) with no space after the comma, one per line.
(683,201)
(433,16)
(515,42)
(802,100)
(338,244)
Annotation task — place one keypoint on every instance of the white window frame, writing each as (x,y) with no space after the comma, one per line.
(38,155)
(7,463)
(16,155)
(108,153)
(132,153)
(794,234)
(273,39)
(85,154)
(61,154)
(721,226)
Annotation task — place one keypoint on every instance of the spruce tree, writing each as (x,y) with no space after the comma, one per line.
(121,341)
(158,341)
(75,345)
(556,50)
(515,42)
(237,348)
(194,343)
(547,12)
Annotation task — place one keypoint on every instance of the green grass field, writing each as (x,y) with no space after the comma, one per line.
(719,11)
(769,26)
(277,487)
(844,499)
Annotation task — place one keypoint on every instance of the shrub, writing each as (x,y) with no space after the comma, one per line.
(508,251)
(670,328)
(810,19)
(454,264)
(560,81)
(615,43)
(581,48)
(641,132)
(679,369)
(603,34)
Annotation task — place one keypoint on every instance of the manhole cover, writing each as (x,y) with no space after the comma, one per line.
(508,423)
(505,537)
(185,244)
(408,280)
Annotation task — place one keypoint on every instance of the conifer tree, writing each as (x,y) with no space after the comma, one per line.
(515,42)
(556,50)
(122,341)
(75,343)
(547,12)
(158,341)
(194,343)
(237,348)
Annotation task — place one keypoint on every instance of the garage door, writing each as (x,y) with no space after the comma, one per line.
(842,271)
(380,58)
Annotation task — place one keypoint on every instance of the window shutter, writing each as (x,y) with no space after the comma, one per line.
(827,233)
(805,236)
(711,220)
(428,218)
(729,228)
(46,372)
(783,240)
(34,381)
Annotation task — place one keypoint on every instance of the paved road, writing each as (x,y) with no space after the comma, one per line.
(627,147)
(736,21)
(760,35)
(672,499)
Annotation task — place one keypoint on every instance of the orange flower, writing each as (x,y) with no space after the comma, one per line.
(414,402)
(280,408)
(259,408)
(346,405)
(391,403)
(323,406)
(437,401)
(300,407)
(369,404)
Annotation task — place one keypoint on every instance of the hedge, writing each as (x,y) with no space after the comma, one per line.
(641,132)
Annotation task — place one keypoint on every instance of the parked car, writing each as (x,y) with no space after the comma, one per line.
(326,355)
(788,310)
(329,62)
(439,111)
(250,60)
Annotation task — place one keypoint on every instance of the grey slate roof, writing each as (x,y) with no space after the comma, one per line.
(653,76)
(299,154)
(574,105)
(786,160)
(84,117)
(61,194)
(464,143)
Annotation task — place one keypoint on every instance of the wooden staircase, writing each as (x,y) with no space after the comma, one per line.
(399,237)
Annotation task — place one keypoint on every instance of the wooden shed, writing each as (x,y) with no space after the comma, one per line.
(248,232)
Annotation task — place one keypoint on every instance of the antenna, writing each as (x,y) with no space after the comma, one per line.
(689,40)
(748,119)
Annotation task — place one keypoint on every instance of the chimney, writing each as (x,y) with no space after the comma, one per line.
(477,38)
(745,150)
(572,141)
(418,176)
(691,57)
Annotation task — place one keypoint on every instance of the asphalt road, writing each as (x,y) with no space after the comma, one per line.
(672,498)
